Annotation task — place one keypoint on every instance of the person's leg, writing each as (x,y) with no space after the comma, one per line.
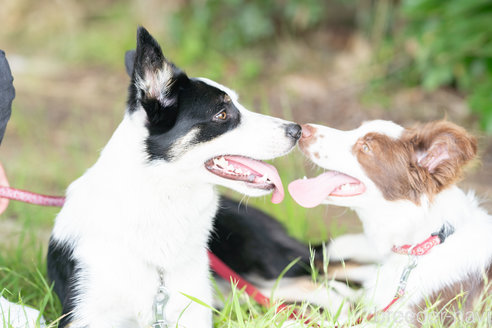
(7,93)
(11,314)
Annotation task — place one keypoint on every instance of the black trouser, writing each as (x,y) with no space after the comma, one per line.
(7,93)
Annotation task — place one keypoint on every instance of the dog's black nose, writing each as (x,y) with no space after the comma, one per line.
(293,130)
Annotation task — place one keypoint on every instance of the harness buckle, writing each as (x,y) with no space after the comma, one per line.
(159,306)
(412,263)
(160,301)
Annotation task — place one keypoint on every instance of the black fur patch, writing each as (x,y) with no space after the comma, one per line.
(146,61)
(198,103)
(252,242)
(185,104)
(61,271)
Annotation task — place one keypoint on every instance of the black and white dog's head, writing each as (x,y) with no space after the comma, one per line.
(198,126)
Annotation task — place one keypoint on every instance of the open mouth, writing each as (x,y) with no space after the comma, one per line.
(312,192)
(256,174)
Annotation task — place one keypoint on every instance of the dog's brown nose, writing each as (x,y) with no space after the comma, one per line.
(308,137)
(307,132)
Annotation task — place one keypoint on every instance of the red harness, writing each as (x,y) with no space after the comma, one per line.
(424,247)
(419,249)
(413,251)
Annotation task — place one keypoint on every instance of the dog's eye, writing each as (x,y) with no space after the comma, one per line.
(221,116)
(365,148)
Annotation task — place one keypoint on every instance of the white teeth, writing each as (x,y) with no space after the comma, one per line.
(263,178)
(221,162)
(347,187)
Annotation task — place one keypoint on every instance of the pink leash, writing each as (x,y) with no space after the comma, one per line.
(30,197)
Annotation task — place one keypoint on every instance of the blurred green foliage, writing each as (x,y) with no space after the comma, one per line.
(203,33)
(454,48)
(210,31)
(233,24)
(433,44)
(428,43)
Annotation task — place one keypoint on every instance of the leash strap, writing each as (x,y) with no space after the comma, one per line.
(400,290)
(30,197)
(228,274)
(413,252)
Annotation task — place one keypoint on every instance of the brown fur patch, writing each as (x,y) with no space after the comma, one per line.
(309,138)
(463,296)
(398,167)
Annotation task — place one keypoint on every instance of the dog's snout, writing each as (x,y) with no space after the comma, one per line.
(294,131)
(308,136)
(307,131)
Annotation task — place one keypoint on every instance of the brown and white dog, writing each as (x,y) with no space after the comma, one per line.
(402,184)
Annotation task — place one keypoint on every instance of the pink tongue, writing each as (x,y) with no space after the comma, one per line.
(265,169)
(311,192)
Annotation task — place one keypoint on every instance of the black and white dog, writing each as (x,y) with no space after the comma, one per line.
(138,221)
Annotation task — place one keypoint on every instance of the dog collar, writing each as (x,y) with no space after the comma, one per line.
(413,253)
(424,247)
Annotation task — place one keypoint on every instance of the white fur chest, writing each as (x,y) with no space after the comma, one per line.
(466,253)
(134,219)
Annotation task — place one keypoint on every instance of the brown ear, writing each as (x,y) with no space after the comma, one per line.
(443,149)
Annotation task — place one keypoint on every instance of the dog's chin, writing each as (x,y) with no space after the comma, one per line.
(342,201)
(245,188)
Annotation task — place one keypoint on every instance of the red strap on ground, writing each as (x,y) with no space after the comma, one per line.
(228,274)
(372,315)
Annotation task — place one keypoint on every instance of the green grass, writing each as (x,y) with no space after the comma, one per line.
(52,138)
(23,276)
(23,280)
(47,163)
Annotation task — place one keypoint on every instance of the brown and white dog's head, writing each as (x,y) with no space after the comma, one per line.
(382,160)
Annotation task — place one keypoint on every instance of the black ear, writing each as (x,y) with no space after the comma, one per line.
(130,61)
(155,81)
